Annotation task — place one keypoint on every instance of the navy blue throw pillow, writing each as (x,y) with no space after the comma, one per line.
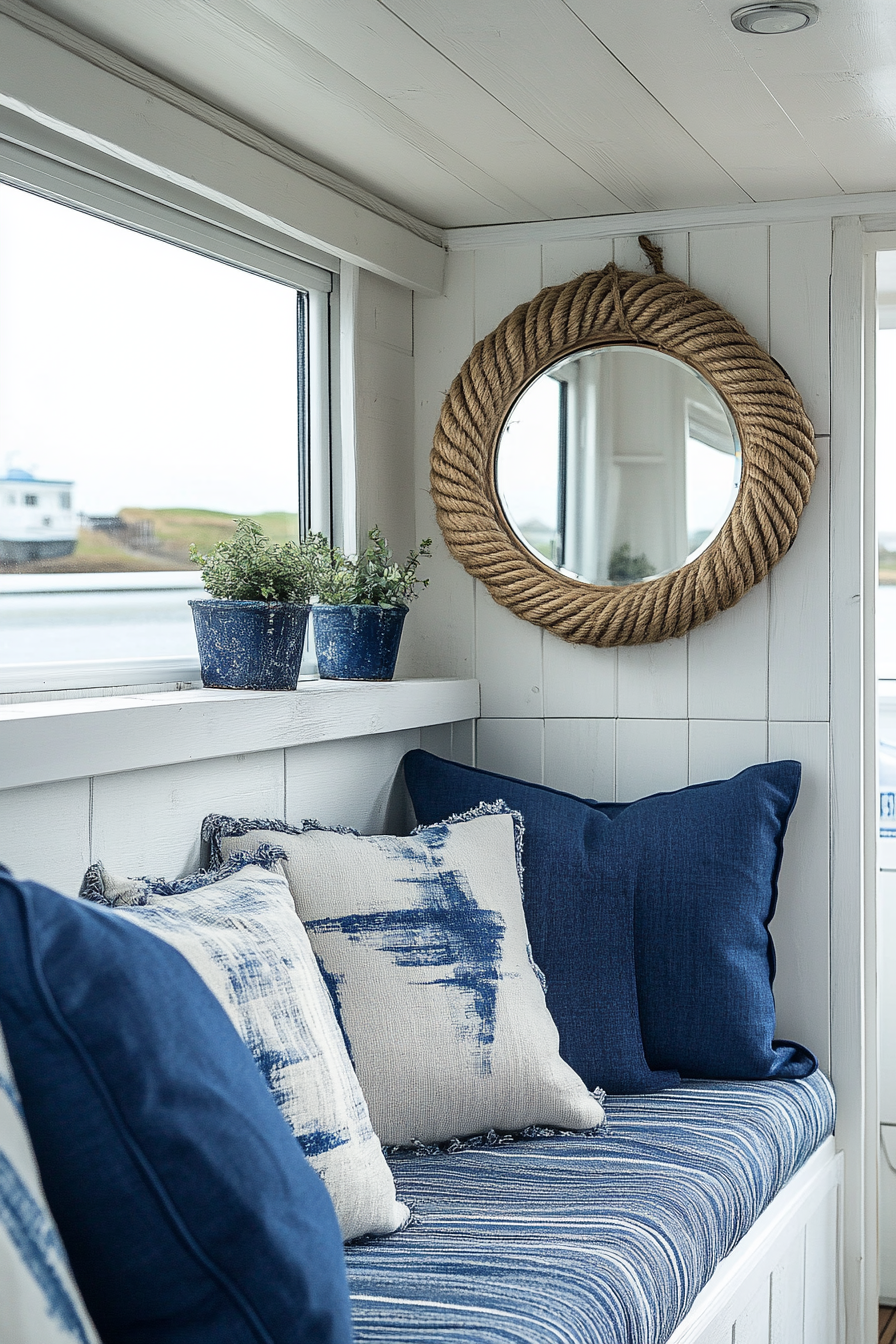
(698,868)
(580,917)
(186,1206)
(705,863)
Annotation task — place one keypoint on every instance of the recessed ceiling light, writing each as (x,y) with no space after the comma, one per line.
(781,16)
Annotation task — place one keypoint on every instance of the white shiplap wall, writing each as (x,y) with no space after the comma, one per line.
(148,821)
(752,685)
(384,385)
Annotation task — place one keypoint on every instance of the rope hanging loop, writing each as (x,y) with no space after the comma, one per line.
(653,252)
(656,311)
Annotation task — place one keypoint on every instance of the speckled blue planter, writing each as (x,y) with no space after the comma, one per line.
(250,646)
(357,643)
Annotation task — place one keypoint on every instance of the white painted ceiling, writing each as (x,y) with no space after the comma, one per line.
(490,111)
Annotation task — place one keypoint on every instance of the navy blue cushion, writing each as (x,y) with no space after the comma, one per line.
(580,916)
(705,863)
(187,1208)
(699,867)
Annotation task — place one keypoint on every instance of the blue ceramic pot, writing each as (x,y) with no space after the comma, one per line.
(357,643)
(250,646)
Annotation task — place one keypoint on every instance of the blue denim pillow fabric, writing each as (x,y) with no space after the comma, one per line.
(580,916)
(39,1301)
(186,1206)
(695,872)
(705,862)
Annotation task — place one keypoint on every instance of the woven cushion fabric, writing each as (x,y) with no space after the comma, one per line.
(238,929)
(700,869)
(580,914)
(187,1208)
(39,1301)
(604,1240)
(424,947)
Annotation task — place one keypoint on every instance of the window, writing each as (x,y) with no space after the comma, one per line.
(153,394)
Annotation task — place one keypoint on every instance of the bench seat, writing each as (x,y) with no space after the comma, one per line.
(600,1240)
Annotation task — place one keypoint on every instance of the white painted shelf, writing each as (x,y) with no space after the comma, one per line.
(68,739)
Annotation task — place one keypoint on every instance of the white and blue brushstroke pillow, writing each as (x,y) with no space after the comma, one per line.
(424,947)
(39,1302)
(237,927)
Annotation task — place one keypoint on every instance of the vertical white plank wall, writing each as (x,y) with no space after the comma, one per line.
(148,821)
(384,414)
(750,686)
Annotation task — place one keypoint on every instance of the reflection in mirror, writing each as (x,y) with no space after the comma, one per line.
(618,464)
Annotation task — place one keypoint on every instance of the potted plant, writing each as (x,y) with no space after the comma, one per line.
(363,601)
(251,630)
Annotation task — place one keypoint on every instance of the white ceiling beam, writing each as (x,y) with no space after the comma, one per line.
(59,79)
(876,209)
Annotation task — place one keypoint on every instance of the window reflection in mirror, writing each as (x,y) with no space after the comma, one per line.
(618,464)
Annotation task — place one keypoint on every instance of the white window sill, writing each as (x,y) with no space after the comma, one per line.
(67,739)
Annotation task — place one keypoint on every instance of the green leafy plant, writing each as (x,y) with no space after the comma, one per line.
(627,568)
(250,567)
(372,578)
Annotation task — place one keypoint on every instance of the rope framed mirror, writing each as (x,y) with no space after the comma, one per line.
(599,561)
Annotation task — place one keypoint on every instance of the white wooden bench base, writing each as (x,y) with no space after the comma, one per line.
(783,1283)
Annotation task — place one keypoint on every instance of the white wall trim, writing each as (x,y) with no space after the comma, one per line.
(325,435)
(112,61)
(128,115)
(125,194)
(345,456)
(853,1010)
(667,221)
(69,739)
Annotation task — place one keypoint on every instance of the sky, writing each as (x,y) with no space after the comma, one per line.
(150,376)
(526,472)
(712,481)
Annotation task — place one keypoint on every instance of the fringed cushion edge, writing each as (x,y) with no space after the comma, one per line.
(102,889)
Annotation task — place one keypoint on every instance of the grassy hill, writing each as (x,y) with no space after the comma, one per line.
(174,529)
(886,565)
(177,529)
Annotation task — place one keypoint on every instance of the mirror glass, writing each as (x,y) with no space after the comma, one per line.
(618,464)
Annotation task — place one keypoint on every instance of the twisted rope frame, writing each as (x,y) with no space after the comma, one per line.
(662,313)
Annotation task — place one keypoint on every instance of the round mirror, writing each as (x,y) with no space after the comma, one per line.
(619,461)
(617,464)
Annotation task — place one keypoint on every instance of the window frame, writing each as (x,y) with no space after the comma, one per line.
(183,220)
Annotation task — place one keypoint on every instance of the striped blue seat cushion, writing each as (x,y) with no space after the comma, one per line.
(571,1240)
